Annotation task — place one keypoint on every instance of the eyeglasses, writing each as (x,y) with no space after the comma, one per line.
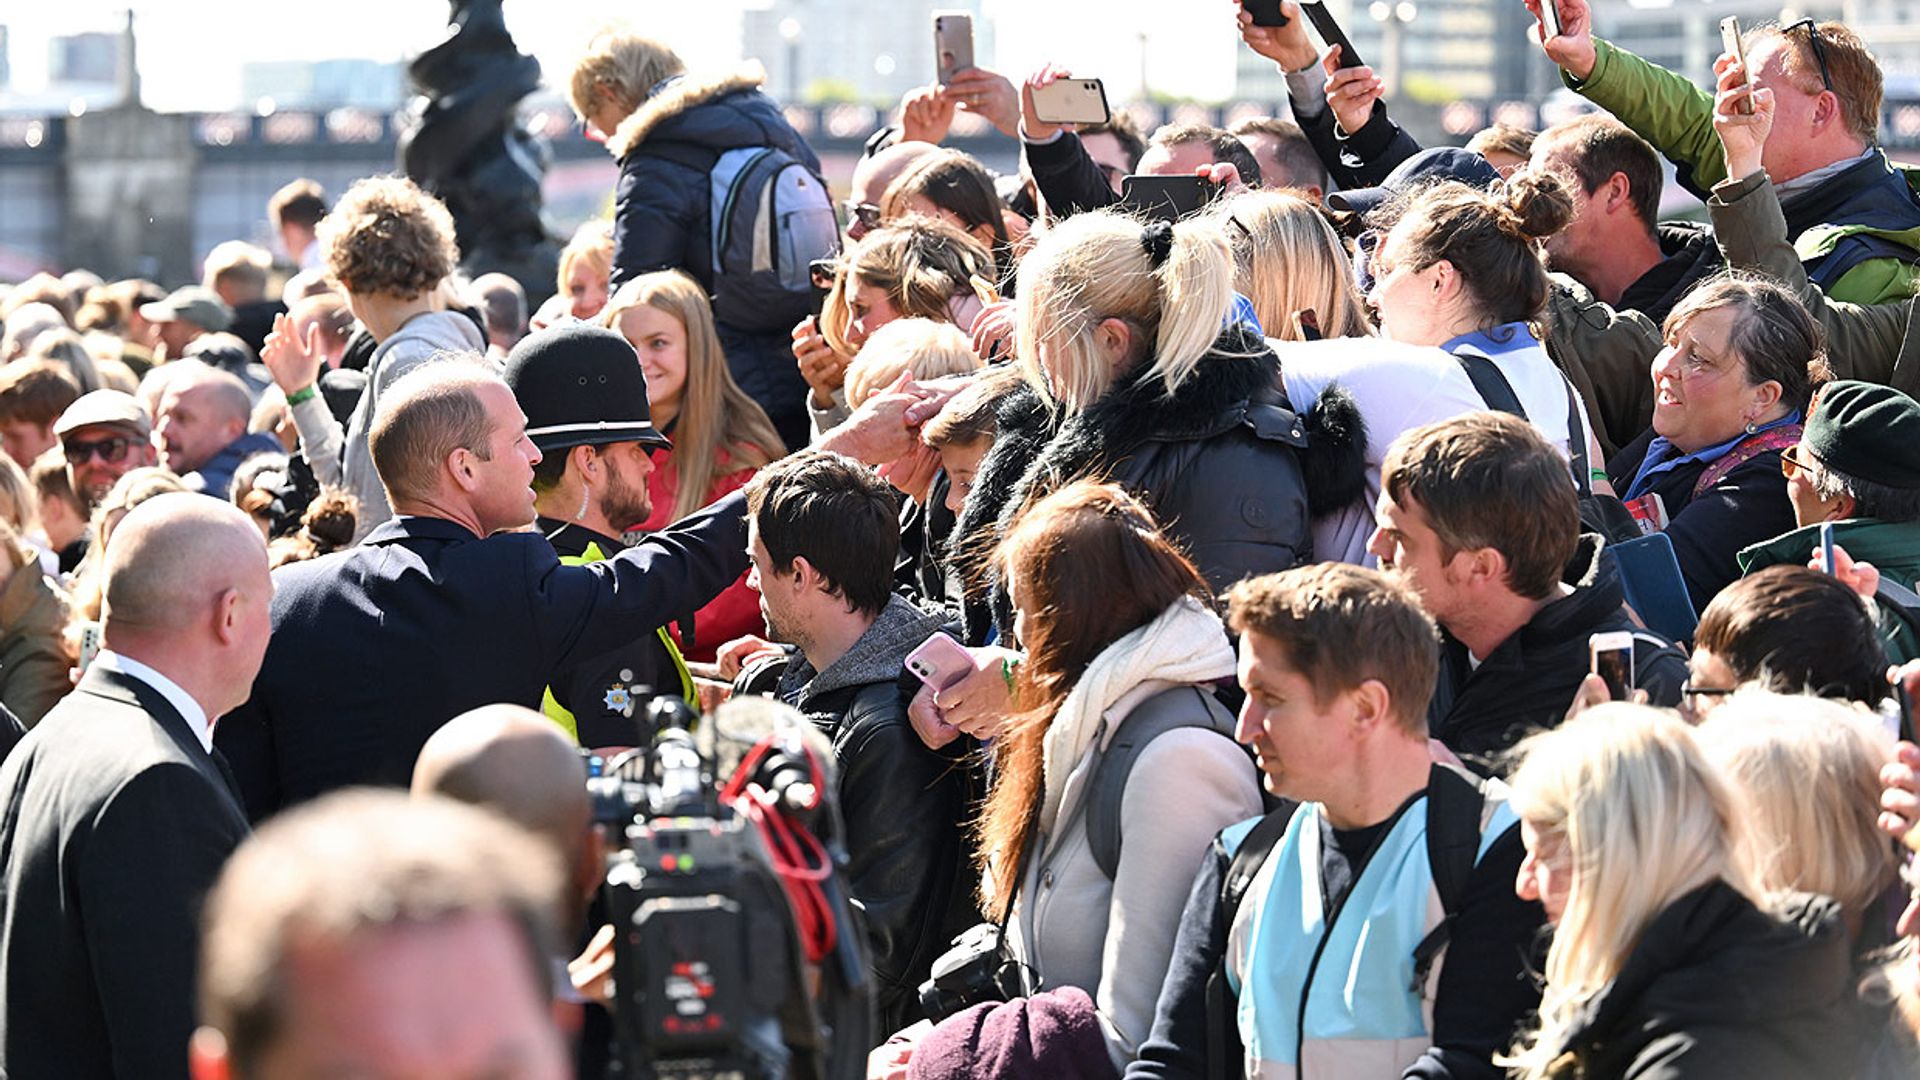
(867,214)
(1819,48)
(1791,466)
(112,451)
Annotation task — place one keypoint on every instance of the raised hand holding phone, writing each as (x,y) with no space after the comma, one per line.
(1284,43)
(1743,132)
(1568,44)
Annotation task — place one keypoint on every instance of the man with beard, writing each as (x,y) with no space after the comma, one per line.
(590,487)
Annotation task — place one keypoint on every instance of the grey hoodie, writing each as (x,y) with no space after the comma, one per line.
(878,656)
(340,456)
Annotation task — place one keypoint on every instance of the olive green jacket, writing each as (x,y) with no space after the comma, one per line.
(1893,547)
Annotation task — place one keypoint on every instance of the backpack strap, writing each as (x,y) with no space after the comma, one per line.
(1223,1040)
(1776,439)
(1169,710)
(1489,382)
(1455,799)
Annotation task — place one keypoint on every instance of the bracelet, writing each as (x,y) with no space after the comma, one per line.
(1596,474)
(305,393)
(1007,664)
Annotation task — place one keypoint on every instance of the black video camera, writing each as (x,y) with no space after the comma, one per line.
(736,952)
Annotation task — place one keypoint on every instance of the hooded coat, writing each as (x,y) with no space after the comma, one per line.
(663,212)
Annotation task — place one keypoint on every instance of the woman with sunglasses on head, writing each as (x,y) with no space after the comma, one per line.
(1669,959)
(958,190)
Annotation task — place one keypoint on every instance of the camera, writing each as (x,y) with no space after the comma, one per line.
(977,969)
(737,954)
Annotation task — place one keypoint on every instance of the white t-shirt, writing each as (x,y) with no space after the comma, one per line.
(1399,387)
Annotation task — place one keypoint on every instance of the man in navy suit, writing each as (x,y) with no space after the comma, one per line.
(119,814)
(452,605)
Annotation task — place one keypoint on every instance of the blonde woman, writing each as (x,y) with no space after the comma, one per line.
(720,435)
(1666,960)
(585,265)
(916,268)
(1134,374)
(1288,259)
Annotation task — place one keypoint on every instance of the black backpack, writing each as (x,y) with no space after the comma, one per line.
(1455,800)
(1152,718)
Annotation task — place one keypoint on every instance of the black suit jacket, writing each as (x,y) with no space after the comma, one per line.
(374,648)
(116,824)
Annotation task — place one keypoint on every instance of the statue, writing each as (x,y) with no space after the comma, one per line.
(466,146)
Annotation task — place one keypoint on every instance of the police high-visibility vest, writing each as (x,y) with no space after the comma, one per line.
(688,692)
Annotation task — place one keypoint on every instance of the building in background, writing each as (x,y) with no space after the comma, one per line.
(324,84)
(6,72)
(851,50)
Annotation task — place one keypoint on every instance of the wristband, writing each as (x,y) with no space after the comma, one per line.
(1596,474)
(305,393)
(1007,664)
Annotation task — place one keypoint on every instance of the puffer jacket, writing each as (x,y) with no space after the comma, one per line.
(1717,987)
(663,212)
(1229,468)
(903,804)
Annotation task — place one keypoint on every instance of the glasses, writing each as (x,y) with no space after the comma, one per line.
(1791,466)
(112,451)
(1819,48)
(867,214)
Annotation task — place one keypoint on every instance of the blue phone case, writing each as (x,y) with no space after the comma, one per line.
(1650,576)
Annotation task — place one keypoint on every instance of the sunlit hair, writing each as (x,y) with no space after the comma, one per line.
(625,63)
(386,236)
(1089,566)
(957,183)
(1644,819)
(971,416)
(1491,238)
(921,263)
(1807,772)
(19,502)
(922,347)
(134,487)
(1287,258)
(1093,267)
(715,415)
(1857,80)
(591,247)
(1774,334)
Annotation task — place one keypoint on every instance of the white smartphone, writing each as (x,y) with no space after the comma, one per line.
(940,661)
(952,43)
(1612,660)
(1550,19)
(1071,101)
(1730,43)
(89,645)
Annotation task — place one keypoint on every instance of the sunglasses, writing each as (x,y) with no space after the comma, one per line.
(1791,466)
(1819,48)
(867,214)
(113,451)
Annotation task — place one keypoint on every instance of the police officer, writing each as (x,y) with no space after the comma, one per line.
(586,405)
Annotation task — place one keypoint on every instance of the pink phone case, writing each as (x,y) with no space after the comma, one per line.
(940,661)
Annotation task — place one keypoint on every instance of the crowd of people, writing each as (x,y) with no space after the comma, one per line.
(1213,611)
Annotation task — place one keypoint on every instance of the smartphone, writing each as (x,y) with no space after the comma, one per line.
(1166,198)
(940,661)
(1265,12)
(1826,546)
(1071,101)
(1612,660)
(1730,43)
(1549,19)
(820,275)
(89,645)
(952,43)
(1330,32)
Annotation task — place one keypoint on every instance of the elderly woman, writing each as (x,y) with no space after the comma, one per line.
(1731,385)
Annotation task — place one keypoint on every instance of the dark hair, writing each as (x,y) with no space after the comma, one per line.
(1120,125)
(1776,337)
(299,202)
(1598,146)
(1490,237)
(953,181)
(1489,480)
(1093,566)
(1302,166)
(1501,137)
(36,392)
(1225,147)
(1342,626)
(1797,631)
(835,513)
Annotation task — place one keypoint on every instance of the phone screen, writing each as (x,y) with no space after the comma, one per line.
(1615,668)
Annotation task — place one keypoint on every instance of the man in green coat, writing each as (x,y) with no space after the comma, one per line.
(1858,466)
(1853,218)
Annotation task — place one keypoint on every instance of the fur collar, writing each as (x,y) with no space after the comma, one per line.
(680,95)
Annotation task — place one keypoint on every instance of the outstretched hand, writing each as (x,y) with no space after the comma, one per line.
(1351,92)
(1284,45)
(295,364)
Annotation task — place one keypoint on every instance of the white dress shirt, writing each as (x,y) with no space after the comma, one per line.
(182,702)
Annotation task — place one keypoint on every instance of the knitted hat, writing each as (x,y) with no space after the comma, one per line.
(1867,431)
(1053,1035)
(581,385)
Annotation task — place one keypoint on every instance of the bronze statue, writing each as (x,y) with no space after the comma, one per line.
(466,146)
